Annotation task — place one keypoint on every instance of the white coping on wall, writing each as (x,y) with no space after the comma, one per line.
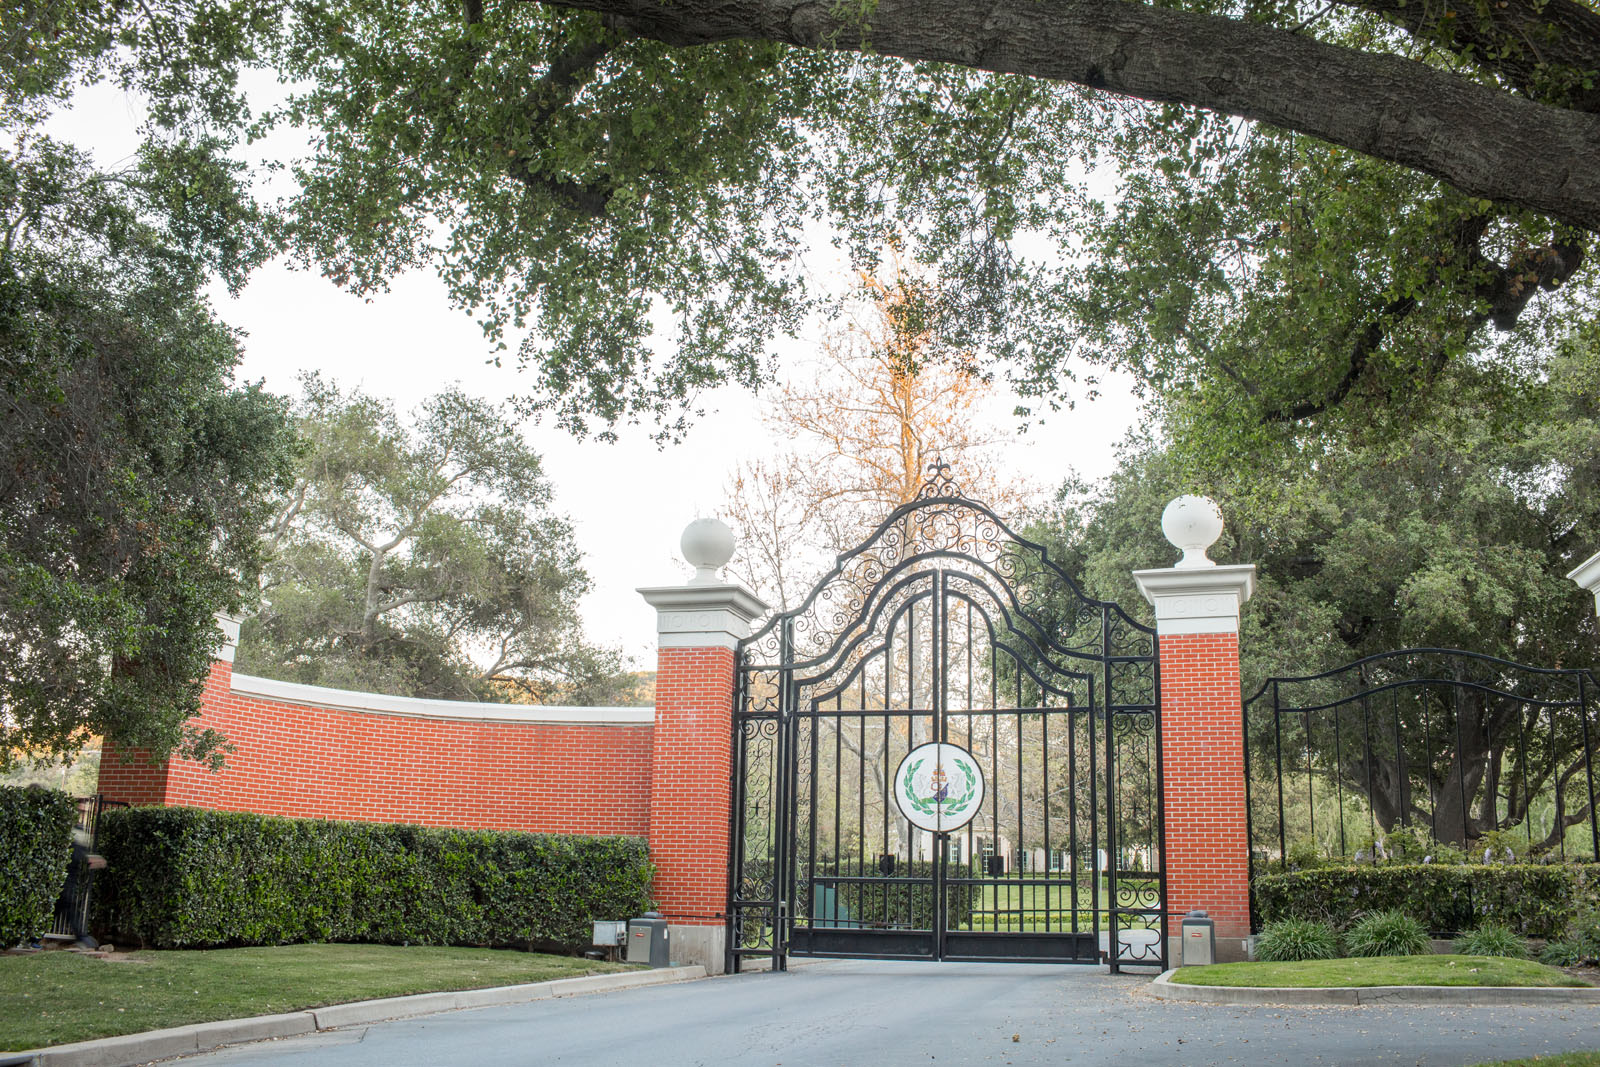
(411,707)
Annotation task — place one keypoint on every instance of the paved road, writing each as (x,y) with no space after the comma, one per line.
(891,1014)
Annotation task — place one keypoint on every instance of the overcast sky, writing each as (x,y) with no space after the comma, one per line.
(628,501)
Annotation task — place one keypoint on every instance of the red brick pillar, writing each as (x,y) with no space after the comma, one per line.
(698,625)
(140,780)
(1197,607)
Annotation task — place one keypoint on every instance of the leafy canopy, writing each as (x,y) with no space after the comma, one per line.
(626,196)
(423,559)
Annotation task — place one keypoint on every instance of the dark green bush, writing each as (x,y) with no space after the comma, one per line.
(186,877)
(878,900)
(35,845)
(1387,933)
(1297,939)
(1579,942)
(1535,900)
(1492,939)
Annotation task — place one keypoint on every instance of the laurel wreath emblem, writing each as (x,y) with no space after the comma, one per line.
(930,806)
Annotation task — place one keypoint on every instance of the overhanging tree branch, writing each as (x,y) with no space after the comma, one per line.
(1484,141)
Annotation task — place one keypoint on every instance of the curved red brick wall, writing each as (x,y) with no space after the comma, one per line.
(501,767)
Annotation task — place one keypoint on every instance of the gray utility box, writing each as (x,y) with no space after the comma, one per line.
(1199,939)
(609,933)
(647,940)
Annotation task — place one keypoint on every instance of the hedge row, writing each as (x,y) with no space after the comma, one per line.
(35,845)
(1535,900)
(186,877)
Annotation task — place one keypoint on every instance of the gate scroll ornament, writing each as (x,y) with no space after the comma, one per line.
(945,637)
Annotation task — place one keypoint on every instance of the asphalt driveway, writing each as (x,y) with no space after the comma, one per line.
(881,1013)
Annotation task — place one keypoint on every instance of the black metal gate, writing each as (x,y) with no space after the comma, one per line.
(947,627)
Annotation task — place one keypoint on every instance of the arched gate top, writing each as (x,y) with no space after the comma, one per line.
(943,528)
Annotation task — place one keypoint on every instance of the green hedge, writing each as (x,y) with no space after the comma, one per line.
(35,845)
(186,877)
(1535,900)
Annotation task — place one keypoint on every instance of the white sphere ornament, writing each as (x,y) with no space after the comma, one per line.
(1192,523)
(707,545)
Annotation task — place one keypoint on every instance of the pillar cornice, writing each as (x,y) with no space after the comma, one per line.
(1197,600)
(1587,575)
(703,616)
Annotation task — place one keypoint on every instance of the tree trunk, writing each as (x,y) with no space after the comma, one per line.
(1485,142)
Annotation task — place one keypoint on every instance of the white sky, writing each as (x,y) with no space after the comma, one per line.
(628,501)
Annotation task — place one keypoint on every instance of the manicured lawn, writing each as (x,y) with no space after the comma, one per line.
(55,997)
(1381,970)
(1009,906)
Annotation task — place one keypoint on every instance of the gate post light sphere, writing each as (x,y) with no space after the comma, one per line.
(707,545)
(1192,523)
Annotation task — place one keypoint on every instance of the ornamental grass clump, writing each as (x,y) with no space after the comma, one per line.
(1387,933)
(1492,939)
(1297,939)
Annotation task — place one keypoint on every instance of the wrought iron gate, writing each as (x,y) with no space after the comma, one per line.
(947,627)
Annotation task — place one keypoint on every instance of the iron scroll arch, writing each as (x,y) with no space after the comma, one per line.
(946,625)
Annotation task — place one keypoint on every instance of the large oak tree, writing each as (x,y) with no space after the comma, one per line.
(625,191)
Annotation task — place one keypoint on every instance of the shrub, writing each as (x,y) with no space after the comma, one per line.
(1492,939)
(1297,939)
(1387,933)
(35,845)
(893,903)
(1579,943)
(1533,900)
(1564,954)
(186,877)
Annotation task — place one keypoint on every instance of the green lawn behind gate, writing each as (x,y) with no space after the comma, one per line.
(1015,907)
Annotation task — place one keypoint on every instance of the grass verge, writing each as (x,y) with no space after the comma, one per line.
(1446,970)
(51,998)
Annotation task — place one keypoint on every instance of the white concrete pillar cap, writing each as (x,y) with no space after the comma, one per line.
(1193,524)
(707,546)
(1587,575)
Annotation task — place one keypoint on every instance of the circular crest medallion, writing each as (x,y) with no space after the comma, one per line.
(939,787)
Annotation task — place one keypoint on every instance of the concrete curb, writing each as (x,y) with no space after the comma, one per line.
(1164,989)
(132,1049)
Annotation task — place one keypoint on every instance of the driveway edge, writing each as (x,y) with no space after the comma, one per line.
(1165,989)
(130,1049)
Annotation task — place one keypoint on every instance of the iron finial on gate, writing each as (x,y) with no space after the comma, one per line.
(940,483)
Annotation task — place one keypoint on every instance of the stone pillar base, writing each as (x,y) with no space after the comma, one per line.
(705,945)
(1229,949)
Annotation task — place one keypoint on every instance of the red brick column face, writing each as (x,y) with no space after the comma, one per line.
(1202,746)
(690,775)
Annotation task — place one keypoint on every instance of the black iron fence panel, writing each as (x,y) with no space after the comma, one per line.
(946,627)
(75,903)
(1494,758)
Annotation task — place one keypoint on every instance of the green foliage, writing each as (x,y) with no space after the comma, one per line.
(900,905)
(1387,933)
(1492,939)
(186,877)
(1579,943)
(1533,900)
(1412,843)
(35,845)
(424,560)
(1305,855)
(581,184)
(137,477)
(1297,939)
(136,471)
